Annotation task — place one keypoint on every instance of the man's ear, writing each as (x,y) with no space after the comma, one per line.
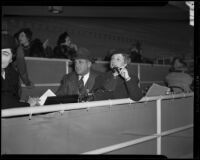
(11,59)
(89,64)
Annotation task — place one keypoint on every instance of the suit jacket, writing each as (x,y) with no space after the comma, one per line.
(108,87)
(10,88)
(69,84)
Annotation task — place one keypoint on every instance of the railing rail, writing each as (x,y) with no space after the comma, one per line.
(87,105)
(103,62)
(84,105)
(159,134)
(58,84)
(138,140)
(121,145)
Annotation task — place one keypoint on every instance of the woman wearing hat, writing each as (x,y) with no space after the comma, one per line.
(178,79)
(28,47)
(118,82)
(10,77)
(65,48)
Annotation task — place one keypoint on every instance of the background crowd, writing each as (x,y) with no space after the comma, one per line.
(89,85)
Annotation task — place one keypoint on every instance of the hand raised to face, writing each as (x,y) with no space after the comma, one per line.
(124,73)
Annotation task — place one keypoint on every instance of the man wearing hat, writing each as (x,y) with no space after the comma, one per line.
(80,81)
(10,77)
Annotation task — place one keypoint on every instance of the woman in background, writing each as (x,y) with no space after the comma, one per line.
(65,49)
(178,79)
(27,47)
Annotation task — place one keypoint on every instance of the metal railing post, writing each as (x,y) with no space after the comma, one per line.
(158,119)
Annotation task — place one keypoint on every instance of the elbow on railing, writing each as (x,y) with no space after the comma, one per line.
(71,106)
(137,97)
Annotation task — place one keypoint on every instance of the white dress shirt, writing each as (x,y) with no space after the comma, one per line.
(85,78)
(3,74)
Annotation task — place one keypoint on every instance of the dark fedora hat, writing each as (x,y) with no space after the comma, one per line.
(83,53)
(7,41)
(27,31)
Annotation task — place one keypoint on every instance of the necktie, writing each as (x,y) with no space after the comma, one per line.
(81,86)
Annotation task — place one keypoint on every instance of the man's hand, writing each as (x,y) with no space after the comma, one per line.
(115,74)
(74,46)
(30,85)
(45,44)
(33,101)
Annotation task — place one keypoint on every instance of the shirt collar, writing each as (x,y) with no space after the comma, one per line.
(3,74)
(85,78)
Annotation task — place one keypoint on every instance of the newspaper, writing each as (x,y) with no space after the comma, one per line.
(48,93)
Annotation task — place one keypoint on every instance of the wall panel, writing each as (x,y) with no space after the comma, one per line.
(45,71)
(153,72)
(158,37)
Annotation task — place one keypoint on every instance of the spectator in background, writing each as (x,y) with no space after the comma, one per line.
(135,53)
(81,81)
(28,47)
(65,48)
(47,49)
(109,54)
(20,63)
(178,79)
(32,48)
(118,82)
(10,97)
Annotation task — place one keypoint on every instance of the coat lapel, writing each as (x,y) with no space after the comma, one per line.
(73,84)
(90,82)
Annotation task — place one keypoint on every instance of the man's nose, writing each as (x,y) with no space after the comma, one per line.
(113,62)
(77,65)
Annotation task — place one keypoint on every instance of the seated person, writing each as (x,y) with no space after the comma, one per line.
(31,47)
(109,54)
(28,47)
(23,39)
(81,80)
(135,53)
(178,79)
(118,82)
(65,48)
(10,77)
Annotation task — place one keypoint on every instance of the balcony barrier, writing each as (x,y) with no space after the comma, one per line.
(154,125)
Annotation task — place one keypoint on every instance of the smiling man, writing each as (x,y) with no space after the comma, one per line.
(80,81)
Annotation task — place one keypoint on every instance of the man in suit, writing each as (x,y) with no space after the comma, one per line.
(81,80)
